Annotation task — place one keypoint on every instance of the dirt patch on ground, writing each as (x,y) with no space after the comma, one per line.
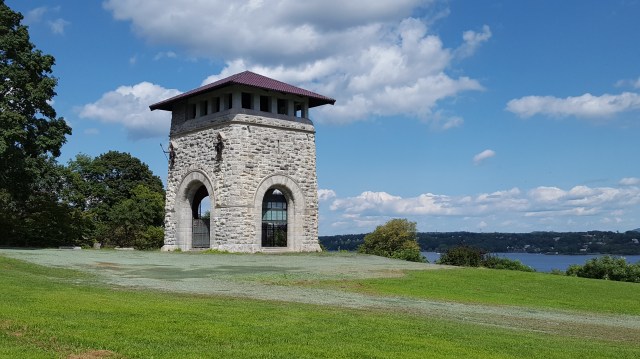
(93,354)
(107,265)
(11,329)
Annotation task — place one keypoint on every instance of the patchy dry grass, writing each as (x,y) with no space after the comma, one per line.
(53,312)
(503,287)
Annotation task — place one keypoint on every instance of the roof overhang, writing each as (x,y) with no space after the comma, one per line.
(248,79)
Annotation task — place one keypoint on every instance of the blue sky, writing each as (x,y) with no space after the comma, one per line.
(507,116)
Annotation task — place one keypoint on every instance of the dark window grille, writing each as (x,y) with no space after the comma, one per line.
(200,237)
(274,219)
(274,235)
(283,107)
(204,108)
(265,104)
(229,99)
(247,100)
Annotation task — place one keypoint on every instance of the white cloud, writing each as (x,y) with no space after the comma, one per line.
(577,211)
(582,200)
(482,156)
(373,57)
(382,203)
(585,106)
(58,26)
(546,194)
(129,106)
(271,30)
(38,14)
(35,15)
(507,200)
(630,181)
(541,204)
(472,41)
(441,121)
(635,83)
(326,194)
(165,54)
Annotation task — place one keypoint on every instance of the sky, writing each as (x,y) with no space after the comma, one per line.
(482,116)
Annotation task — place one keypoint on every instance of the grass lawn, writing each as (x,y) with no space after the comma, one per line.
(504,287)
(49,313)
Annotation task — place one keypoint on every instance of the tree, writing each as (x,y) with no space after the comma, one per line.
(119,173)
(395,239)
(607,267)
(464,256)
(133,221)
(31,137)
(119,194)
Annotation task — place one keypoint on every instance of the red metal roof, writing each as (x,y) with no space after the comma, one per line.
(247,78)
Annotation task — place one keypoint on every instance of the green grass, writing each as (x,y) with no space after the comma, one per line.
(504,287)
(48,313)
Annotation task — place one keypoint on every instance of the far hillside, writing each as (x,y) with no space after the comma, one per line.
(591,242)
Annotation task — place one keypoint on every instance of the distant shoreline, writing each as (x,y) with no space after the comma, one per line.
(550,243)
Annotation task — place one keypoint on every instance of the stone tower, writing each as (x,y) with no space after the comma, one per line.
(246,143)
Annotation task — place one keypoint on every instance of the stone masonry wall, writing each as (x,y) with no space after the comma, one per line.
(255,148)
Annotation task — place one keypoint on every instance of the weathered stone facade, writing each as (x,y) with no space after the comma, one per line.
(238,155)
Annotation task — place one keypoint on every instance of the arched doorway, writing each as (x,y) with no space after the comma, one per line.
(194,201)
(274,219)
(201,219)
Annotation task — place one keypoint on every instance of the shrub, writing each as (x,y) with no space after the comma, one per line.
(607,267)
(395,239)
(409,252)
(633,273)
(463,256)
(466,256)
(496,262)
(151,238)
(573,270)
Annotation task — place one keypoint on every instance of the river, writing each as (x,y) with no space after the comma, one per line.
(544,262)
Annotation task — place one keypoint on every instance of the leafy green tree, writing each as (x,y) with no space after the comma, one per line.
(395,239)
(31,136)
(495,262)
(467,256)
(131,218)
(151,238)
(572,270)
(100,183)
(120,196)
(119,173)
(464,256)
(607,267)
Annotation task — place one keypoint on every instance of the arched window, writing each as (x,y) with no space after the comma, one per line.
(274,219)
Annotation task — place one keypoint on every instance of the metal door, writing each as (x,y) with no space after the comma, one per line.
(200,232)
